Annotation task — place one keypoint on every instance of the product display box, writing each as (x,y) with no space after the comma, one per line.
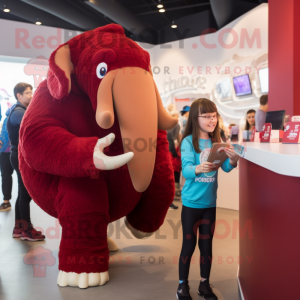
(296,119)
(253,134)
(271,136)
(291,133)
(246,135)
(256,137)
(265,135)
(276,136)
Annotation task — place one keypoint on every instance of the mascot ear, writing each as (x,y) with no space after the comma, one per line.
(59,75)
(113,28)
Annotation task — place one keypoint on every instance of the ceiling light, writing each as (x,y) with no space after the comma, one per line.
(162,10)
(5,9)
(38,22)
(160,6)
(174,26)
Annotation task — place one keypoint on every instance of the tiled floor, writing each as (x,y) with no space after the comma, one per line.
(141,269)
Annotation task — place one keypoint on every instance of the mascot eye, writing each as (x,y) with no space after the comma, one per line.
(101,70)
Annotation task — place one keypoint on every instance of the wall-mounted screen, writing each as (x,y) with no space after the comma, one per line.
(264,80)
(223,88)
(242,85)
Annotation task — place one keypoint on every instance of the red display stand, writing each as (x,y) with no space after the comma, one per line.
(269,206)
(292,133)
(266,133)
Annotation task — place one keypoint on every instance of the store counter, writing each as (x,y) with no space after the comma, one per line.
(269,207)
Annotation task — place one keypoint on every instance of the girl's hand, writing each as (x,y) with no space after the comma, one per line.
(204,167)
(233,157)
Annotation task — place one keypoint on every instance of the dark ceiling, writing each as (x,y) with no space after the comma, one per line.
(140,18)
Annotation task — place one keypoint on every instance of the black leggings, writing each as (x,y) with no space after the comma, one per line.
(6,174)
(177,176)
(23,200)
(192,218)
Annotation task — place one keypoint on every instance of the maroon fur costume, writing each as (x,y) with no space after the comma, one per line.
(57,138)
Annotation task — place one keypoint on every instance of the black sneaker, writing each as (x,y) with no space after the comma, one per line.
(183,291)
(5,206)
(205,291)
(172,206)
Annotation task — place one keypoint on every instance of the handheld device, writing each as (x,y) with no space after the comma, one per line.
(217,154)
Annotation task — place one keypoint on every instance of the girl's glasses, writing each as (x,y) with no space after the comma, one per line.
(209,117)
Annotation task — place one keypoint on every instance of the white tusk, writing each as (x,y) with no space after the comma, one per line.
(104,162)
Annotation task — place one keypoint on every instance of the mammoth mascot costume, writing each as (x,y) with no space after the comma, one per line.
(93,149)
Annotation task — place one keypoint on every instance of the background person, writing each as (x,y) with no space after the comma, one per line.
(261,113)
(184,116)
(234,133)
(173,137)
(223,129)
(23,226)
(199,193)
(250,119)
(6,167)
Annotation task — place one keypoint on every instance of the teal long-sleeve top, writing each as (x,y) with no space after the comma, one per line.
(199,191)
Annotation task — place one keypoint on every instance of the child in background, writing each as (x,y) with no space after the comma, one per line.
(6,167)
(199,193)
(184,116)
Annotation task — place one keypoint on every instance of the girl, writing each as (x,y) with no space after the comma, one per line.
(199,193)
(250,119)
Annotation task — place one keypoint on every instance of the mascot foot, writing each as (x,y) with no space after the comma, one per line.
(112,246)
(136,233)
(82,280)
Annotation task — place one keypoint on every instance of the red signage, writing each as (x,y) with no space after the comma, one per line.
(291,133)
(252,135)
(266,133)
(182,100)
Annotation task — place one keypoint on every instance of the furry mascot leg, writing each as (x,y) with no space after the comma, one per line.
(82,205)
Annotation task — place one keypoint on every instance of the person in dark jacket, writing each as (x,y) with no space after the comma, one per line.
(23,226)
